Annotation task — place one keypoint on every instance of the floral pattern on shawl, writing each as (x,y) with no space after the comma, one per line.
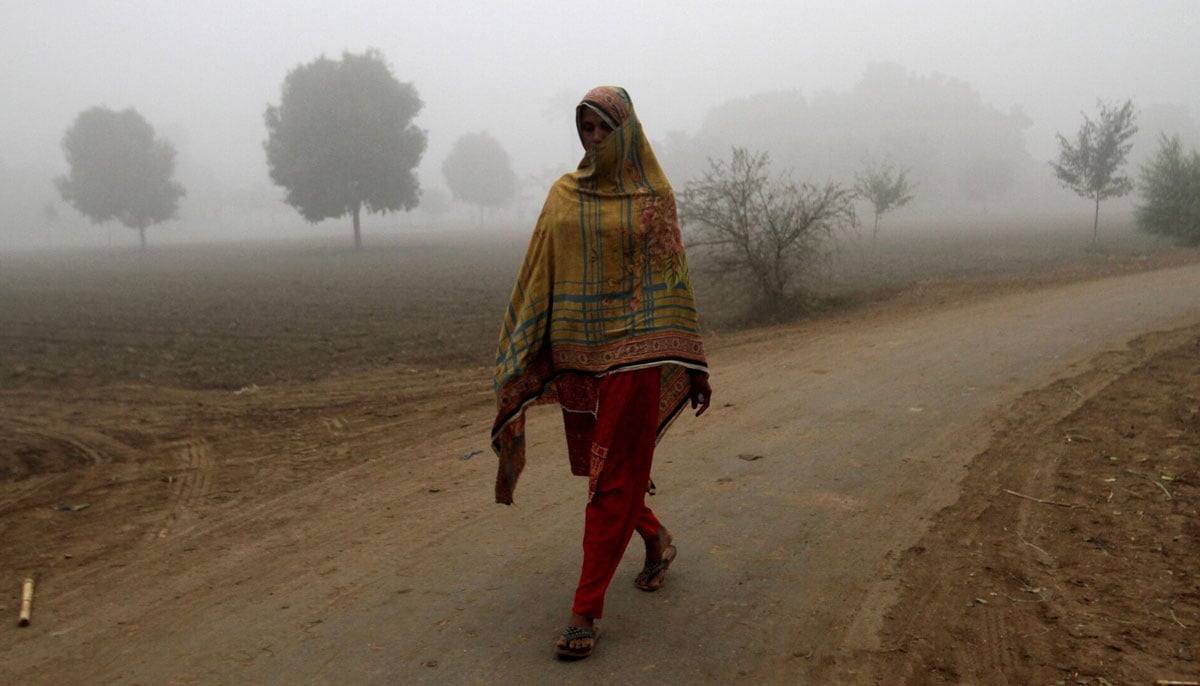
(656,241)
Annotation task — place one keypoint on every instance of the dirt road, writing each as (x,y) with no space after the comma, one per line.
(332,532)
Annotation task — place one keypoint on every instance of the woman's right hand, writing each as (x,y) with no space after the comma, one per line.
(701,394)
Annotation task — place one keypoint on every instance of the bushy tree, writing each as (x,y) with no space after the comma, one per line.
(885,187)
(342,139)
(478,172)
(767,230)
(119,170)
(1170,190)
(1091,164)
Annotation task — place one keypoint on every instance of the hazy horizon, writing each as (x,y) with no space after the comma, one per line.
(203,74)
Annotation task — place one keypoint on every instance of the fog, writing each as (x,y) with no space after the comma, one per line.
(778,75)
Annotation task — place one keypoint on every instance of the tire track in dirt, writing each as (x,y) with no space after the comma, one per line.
(994,650)
(189,487)
(56,441)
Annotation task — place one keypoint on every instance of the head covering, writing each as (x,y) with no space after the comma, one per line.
(604,288)
(609,102)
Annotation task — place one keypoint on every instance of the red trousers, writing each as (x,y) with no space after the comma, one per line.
(626,425)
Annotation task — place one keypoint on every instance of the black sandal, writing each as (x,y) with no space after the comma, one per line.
(656,571)
(575,633)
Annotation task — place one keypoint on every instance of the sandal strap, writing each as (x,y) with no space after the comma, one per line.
(652,569)
(575,633)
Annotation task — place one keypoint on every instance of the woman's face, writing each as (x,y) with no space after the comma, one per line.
(592,129)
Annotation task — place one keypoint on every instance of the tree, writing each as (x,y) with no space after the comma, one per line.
(119,170)
(1170,189)
(342,139)
(1091,164)
(885,188)
(478,172)
(770,230)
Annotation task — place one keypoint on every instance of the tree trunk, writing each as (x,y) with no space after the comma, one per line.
(1096,221)
(357,230)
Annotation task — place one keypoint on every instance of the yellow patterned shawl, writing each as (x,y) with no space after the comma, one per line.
(604,288)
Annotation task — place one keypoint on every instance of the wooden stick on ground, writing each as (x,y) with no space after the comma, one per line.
(26,602)
(1037,500)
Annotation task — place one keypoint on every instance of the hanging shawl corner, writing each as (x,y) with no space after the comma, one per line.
(509,445)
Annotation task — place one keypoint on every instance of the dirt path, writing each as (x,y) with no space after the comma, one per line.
(333,533)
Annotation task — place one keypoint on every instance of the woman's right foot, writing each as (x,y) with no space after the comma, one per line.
(578,640)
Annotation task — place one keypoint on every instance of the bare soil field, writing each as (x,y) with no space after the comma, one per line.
(229,316)
(254,463)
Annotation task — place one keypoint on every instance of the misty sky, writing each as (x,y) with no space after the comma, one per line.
(203,72)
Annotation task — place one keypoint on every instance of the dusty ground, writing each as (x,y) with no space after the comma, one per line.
(1070,556)
(231,466)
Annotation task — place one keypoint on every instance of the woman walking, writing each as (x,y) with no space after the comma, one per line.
(603,322)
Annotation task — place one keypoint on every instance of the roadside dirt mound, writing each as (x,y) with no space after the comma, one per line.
(1071,555)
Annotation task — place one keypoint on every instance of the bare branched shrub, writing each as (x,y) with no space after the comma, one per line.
(771,234)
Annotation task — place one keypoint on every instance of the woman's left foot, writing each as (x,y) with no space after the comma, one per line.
(659,555)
